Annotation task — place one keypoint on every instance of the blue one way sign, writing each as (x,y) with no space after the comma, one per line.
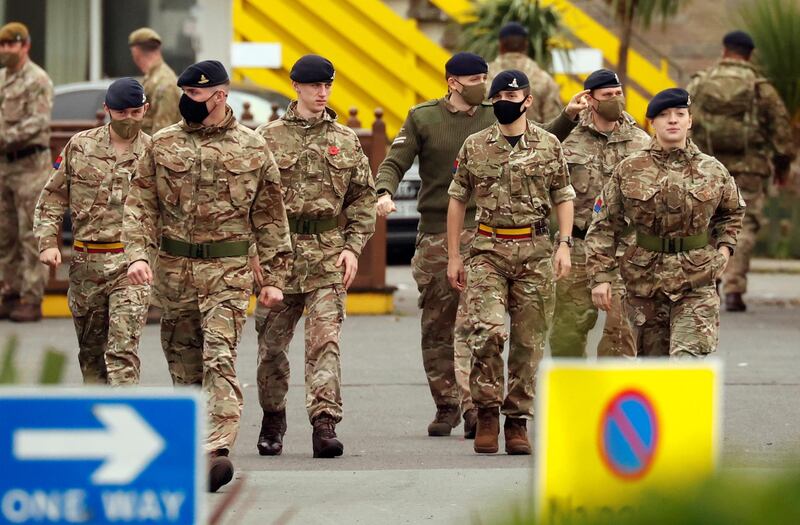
(98,456)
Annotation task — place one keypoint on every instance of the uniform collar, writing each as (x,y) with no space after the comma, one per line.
(655,149)
(527,141)
(154,67)
(452,109)
(135,150)
(736,62)
(229,122)
(622,133)
(294,117)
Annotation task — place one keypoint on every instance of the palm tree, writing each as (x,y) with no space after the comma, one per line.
(644,12)
(543,23)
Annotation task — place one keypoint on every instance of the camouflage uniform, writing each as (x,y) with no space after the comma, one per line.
(671,300)
(591,156)
(546,93)
(26,99)
(91,182)
(751,167)
(163,95)
(324,173)
(513,187)
(207,185)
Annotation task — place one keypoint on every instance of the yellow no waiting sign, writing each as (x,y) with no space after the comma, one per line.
(611,430)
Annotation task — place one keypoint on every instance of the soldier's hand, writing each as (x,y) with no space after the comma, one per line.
(562,261)
(350,262)
(255,265)
(456,274)
(51,257)
(577,103)
(726,252)
(601,296)
(140,273)
(385,205)
(270,296)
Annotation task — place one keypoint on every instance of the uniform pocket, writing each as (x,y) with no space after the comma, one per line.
(173,179)
(340,170)
(580,175)
(13,107)
(639,199)
(486,187)
(86,190)
(704,203)
(242,180)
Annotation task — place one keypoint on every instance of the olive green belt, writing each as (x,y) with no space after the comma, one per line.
(671,244)
(204,250)
(312,226)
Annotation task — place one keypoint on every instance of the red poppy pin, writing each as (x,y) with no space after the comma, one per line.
(333,150)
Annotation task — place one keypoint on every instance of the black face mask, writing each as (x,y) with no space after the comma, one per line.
(507,111)
(193,111)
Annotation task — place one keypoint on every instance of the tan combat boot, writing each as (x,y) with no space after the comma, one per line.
(24,312)
(488,430)
(516,433)
(446,419)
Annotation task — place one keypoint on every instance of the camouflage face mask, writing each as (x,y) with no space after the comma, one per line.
(9,59)
(611,109)
(126,128)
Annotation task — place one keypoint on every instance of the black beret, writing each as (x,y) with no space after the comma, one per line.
(312,68)
(513,29)
(669,98)
(509,80)
(207,73)
(463,64)
(125,93)
(738,39)
(602,78)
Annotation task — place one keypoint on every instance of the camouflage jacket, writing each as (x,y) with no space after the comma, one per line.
(163,94)
(546,94)
(674,193)
(513,186)
(592,156)
(774,136)
(324,174)
(92,183)
(205,185)
(26,101)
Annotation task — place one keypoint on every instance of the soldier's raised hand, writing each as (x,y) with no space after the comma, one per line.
(577,103)
(385,205)
(140,273)
(51,257)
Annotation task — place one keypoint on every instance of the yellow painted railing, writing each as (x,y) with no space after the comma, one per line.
(381,59)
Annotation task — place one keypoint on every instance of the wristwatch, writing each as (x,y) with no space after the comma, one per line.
(566,239)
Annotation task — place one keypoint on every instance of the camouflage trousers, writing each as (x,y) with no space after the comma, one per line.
(21,182)
(445,355)
(518,282)
(687,327)
(109,314)
(753,189)
(204,309)
(325,312)
(575,315)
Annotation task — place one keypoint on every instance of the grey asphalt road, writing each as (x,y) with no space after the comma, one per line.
(393,473)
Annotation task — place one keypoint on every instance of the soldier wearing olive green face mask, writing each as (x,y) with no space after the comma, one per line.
(604,136)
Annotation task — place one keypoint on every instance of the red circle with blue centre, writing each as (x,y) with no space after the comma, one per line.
(629,435)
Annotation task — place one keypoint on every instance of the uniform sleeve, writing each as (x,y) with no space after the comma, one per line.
(694,84)
(402,152)
(561,189)
(141,215)
(608,224)
(53,203)
(359,207)
(550,104)
(561,126)
(271,227)
(461,187)
(726,223)
(775,121)
(36,119)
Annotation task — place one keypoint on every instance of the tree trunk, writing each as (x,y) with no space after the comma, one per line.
(625,40)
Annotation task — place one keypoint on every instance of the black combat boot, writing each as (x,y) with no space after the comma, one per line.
(734,302)
(324,438)
(273,428)
(220,469)
(470,423)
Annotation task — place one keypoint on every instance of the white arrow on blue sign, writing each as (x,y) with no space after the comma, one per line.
(95,455)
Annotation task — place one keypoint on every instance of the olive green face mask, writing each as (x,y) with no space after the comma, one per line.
(9,60)
(474,94)
(126,128)
(611,109)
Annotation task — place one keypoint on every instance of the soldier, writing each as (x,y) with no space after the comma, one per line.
(159,80)
(434,131)
(324,173)
(687,213)
(91,180)
(513,54)
(741,120)
(26,99)
(516,171)
(212,187)
(604,136)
